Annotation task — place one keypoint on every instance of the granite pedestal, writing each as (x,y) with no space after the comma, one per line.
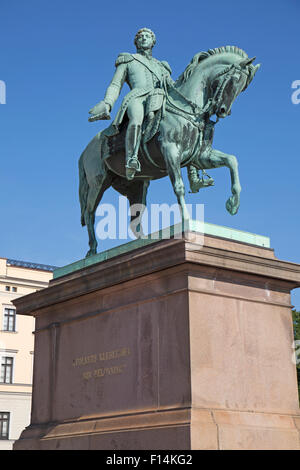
(177,344)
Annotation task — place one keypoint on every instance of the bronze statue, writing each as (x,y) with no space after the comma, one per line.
(162,126)
(147,78)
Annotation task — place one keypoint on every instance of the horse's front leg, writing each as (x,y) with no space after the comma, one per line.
(216,159)
(171,153)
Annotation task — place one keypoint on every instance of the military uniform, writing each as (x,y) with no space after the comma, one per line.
(146,77)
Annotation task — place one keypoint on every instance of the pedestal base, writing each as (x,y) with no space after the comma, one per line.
(175,345)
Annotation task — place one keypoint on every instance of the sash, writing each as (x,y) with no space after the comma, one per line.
(147,63)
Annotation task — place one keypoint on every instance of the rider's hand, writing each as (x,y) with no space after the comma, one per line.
(100,111)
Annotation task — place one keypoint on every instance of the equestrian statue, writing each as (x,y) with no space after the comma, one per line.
(162,125)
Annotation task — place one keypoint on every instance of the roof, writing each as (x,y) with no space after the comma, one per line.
(29,265)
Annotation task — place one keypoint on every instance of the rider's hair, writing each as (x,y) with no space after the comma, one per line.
(148,31)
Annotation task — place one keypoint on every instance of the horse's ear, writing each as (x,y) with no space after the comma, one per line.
(246,62)
(252,71)
(255,68)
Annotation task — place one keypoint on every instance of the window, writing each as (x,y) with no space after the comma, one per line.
(6,375)
(14,289)
(7,288)
(4,425)
(9,323)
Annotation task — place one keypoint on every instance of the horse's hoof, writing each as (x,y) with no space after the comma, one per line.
(231,207)
(91,253)
(140,235)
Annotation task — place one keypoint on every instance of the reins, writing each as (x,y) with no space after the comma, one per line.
(211,105)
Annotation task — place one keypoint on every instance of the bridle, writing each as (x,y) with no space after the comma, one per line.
(230,72)
(212,103)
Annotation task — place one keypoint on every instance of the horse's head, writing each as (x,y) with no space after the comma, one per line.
(228,83)
(213,79)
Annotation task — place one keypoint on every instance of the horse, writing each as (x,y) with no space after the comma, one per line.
(182,138)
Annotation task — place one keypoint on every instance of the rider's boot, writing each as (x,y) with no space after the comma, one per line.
(194,179)
(195,182)
(133,139)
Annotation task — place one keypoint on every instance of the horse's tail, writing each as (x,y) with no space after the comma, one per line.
(83,189)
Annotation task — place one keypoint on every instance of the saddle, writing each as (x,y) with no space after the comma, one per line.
(150,158)
(113,144)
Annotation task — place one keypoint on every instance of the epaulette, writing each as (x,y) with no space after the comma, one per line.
(123,58)
(166,66)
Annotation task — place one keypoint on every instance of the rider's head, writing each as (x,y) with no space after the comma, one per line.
(144,39)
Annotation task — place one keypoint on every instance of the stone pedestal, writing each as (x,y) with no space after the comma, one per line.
(174,345)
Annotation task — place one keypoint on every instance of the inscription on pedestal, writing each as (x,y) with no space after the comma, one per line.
(99,358)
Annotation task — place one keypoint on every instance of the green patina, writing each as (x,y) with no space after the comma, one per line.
(162,126)
(191,225)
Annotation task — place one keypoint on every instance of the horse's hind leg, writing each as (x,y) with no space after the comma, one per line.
(137,196)
(95,194)
(89,218)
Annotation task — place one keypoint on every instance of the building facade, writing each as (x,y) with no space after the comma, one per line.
(17,278)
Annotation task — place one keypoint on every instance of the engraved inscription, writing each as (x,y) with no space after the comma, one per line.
(99,358)
(82,361)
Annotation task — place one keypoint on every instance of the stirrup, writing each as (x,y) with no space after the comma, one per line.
(196,183)
(133,163)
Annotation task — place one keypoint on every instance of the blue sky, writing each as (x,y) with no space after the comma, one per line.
(57,59)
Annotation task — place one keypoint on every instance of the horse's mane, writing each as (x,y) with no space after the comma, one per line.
(204,55)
